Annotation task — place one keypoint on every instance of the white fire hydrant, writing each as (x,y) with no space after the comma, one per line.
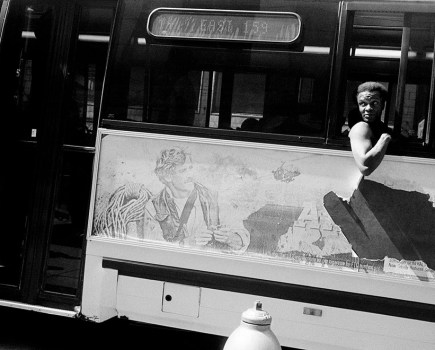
(254,332)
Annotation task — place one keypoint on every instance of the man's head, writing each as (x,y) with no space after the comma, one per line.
(174,165)
(371,97)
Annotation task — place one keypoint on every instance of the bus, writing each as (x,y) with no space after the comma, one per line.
(171,162)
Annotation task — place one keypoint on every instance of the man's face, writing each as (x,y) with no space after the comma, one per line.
(183,174)
(370,105)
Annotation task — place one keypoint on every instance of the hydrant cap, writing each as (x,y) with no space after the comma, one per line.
(257,315)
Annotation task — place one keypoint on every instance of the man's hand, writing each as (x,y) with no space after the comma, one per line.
(203,237)
(385,138)
(225,235)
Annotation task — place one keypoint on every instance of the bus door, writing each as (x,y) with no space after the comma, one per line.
(52,59)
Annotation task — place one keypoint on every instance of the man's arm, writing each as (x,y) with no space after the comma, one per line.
(367,156)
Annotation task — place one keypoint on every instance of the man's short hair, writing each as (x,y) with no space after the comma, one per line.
(168,160)
(372,86)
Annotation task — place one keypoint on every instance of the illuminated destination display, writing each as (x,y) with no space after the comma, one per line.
(225,25)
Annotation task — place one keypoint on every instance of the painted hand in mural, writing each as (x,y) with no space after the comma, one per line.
(224,234)
(202,237)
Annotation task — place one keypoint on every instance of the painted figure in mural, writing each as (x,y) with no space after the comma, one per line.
(369,136)
(187,211)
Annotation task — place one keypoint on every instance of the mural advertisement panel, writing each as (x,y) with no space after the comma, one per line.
(299,205)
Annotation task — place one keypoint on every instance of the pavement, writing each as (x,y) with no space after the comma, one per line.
(29,330)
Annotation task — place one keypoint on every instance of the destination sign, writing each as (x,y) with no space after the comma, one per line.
(225,25)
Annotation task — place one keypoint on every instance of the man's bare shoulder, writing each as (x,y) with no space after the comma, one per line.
(360,129)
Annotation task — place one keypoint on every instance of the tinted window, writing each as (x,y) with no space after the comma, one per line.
(271,88)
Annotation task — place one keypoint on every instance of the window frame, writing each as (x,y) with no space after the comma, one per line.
(340,68)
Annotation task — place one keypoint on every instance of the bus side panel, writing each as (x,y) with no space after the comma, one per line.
(220,313)
(99,296)
(320,241)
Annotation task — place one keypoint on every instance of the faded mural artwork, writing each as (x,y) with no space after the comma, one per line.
(301,207)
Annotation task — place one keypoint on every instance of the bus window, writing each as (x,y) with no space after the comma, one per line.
(247,99)
(219,84)
(175,96)
(395,49)
(91,48)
